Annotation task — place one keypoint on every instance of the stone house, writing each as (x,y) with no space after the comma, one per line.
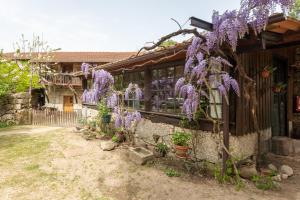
(156,72)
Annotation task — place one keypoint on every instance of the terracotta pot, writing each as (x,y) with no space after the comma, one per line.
(265,73)
(181,151)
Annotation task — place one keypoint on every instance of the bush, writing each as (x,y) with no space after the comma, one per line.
(263,182)
(162,148)
(115,139)
(181,138)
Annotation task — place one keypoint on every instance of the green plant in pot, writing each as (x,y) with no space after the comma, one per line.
(181,141)
(104,113)
(161,149)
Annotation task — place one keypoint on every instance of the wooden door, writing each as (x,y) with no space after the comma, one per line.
(68,103)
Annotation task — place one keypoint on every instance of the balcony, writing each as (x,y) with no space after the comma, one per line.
(63,79)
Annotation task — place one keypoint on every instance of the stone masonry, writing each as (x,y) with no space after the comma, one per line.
(14,108)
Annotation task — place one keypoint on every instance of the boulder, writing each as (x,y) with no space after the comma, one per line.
(247,172)
(284,176)
(272,167)
(285,169)
(107,145)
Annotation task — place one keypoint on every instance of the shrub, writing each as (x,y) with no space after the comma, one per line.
(115,139)
(162,148)
(181,138)
(263,182)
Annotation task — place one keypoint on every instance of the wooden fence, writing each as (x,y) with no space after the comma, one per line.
(55,118)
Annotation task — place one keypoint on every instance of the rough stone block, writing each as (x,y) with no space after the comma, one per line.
(140,155)
(18,106)
(282,145)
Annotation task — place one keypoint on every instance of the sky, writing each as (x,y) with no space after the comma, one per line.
(100,25)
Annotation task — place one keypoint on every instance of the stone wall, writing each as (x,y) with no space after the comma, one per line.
(207,144)
(14,108)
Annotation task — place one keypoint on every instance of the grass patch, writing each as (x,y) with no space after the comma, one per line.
(172,172)
(32,167)
(15,147)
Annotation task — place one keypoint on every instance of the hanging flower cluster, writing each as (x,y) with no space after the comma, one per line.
(103,84)
(133,89)
(125,119)
(85,69)
(232,25)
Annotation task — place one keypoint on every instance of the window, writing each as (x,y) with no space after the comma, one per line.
(121,83)
(163,98)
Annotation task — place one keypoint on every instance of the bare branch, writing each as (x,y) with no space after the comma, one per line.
(166,37)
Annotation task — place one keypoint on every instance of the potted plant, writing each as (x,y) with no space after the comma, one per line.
(161,149)
(181,141)
(279,87)
(266,72)
(104,113)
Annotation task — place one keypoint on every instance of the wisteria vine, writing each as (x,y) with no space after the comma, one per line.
(103,88)
(204,71)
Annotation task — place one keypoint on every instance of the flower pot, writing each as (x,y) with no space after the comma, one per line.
(181,151)
(121,136)
(106,119)
(265,73)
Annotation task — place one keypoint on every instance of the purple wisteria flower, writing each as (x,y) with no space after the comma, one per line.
(112,100)
(85,69)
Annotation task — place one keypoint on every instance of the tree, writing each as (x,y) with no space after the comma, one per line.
(15,78)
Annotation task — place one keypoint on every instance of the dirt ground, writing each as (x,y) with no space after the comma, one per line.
(56,163)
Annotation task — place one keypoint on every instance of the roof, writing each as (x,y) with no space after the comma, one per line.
(160,55)
(91,57)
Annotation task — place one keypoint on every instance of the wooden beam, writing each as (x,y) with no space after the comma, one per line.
(199,23)
(225,135)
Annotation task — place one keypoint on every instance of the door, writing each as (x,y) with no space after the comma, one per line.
(68,103)
(279,116)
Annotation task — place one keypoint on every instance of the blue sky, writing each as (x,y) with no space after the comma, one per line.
(98,25)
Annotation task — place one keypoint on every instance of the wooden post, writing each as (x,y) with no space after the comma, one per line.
(225,135)
(147,90)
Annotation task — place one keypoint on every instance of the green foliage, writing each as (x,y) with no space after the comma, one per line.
(172,172)
(263,182)
(3,125)
(82,121)
(115,139)
(13,79)
(162,148)
(168,43)
(295,11)
(181,138)
(103,109)
(229,175)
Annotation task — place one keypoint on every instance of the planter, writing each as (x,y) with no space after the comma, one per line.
(106,119)
(181,151)
(265,73)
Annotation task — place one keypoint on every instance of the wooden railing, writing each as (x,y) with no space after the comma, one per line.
(63,79)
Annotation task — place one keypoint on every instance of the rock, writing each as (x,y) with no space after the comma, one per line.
(272,167)
(248,172)
(285,169)
(284,176)
(282,145)
(107,145)
(277,178)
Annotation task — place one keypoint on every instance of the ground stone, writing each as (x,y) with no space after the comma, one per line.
(285,169)
(277,178)
(284,176)
(107,145)
(248,172)
(272,167)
